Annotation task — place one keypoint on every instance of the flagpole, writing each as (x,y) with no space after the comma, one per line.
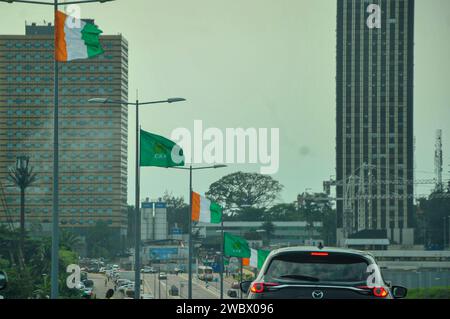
(222,263)
(55,217)
(242,267)
(137,244)
(190,236)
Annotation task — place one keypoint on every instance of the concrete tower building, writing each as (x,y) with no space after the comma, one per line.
(374,105)
(93,138)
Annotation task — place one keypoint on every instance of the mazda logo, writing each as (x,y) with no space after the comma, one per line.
(317,294)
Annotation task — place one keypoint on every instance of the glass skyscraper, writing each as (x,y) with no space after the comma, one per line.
(93,138)
(374,105)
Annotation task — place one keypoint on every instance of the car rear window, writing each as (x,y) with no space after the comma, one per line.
(303,267)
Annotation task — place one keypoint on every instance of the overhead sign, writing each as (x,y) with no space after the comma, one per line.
(151,204)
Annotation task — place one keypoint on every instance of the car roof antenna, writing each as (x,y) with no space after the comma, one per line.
(320,245)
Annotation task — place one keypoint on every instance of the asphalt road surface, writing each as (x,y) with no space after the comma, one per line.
(160,289)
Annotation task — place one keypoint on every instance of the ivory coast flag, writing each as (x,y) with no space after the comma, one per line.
(204,210)
(75,39)
(257,258)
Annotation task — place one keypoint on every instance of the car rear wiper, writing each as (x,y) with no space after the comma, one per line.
(300,277)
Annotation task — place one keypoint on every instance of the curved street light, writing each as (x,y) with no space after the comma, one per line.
(137,263)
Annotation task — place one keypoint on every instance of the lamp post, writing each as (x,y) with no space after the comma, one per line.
(191,169)
(55,217)
(137,104)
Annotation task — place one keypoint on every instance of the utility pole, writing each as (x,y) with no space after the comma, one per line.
(438,162)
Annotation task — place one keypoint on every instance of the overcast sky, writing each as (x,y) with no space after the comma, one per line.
(255,63)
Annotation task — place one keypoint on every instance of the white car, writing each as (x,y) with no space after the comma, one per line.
(102,270)
(123,282)
(126,287)
(162,275)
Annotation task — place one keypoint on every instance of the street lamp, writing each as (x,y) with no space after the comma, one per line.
(22,176)
(55,217)
(137,263)
(190,169)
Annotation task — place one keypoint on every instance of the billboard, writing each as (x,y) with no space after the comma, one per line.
(163,253)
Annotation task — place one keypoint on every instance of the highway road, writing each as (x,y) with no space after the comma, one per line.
(161,288)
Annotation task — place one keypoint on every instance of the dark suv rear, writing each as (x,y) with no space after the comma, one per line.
(320,273)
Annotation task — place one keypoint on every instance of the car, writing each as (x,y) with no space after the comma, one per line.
(88,293)
(80,286)
(232,293)
(147,296)
(102,270)
(129,293)
(122,282)
(235,285)
(178,270)
(162,276)
(320,273)
(174,290)
(125,287)
(147,270)
(88,283)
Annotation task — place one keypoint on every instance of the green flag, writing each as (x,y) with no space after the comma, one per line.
(159,151)
(235,246)
(258,257)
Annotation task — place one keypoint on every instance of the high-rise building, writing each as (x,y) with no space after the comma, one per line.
(93,137)
(374,105)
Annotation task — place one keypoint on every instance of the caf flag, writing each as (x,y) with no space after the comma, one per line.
(159,151)
(235,246)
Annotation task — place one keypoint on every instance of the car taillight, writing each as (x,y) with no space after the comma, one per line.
(319,254)
(258,287)
(379,292)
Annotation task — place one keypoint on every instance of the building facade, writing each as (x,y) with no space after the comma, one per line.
(284,233)
(92,138)
(154,224)
(374,112)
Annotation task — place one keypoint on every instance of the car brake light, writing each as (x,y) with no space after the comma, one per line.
(319,254)
(380,292)
(258,287)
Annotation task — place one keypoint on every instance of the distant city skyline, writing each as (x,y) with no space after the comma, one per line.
(261,64)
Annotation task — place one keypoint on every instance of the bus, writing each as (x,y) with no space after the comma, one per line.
(205,273)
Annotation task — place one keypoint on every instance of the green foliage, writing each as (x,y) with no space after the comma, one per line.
(177,211)
(240,189)
(431,215)
(102,241)
(429,293)
(33,279)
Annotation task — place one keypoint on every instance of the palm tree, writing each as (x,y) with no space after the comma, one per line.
(70,240)
(22,176)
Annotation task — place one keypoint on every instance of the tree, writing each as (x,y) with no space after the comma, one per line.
(283,212)
(102,241)
(240,189)
(269,229)
(70,240)
(318,208)
(177,211)
(434,211)
(23,177)
(33,278)
(248,214)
